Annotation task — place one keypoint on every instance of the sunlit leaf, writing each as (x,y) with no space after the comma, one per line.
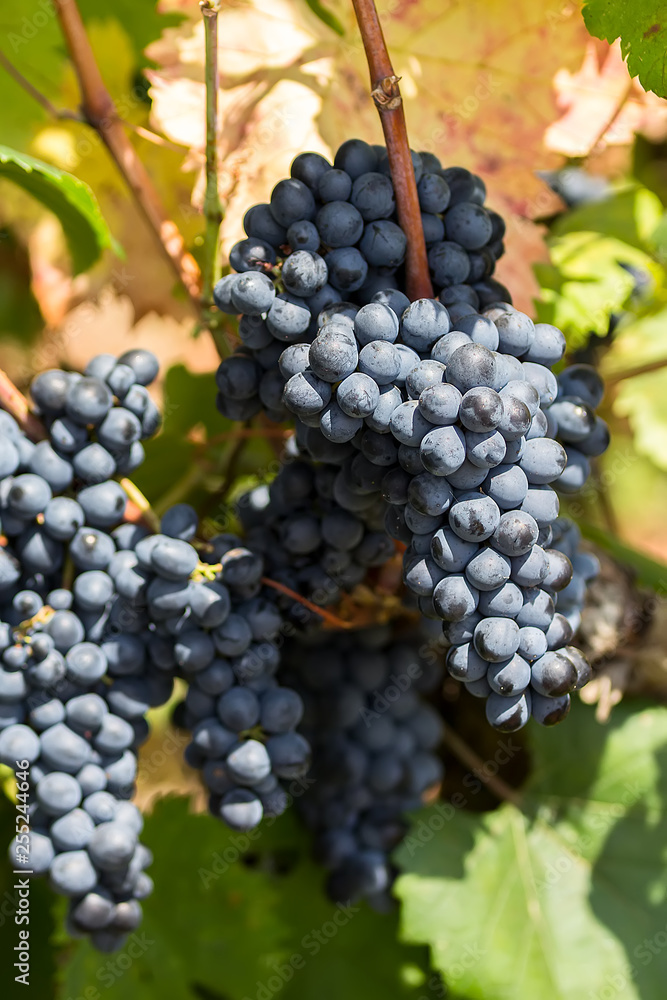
(643,400)
(597,253)
(564,898)
(602,106)
(69,199)
(239,916)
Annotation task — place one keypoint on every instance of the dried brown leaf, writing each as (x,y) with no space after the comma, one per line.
(477,86)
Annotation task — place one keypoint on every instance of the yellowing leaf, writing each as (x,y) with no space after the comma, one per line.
(643,400)
(639,343)
(603,105)
(477,86)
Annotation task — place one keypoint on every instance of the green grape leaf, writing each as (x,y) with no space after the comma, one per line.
(643,400)
(189,400)
(326,16)
(591,249)
(142,22)
(585,283)
(637,343)
(642,28)
(69,199)
(630,215)
(239,916)
(565,898)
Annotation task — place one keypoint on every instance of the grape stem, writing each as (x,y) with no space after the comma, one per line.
(248,432)
(36,94)
(467,756)
(389,103)
(13,400)
(623,374)
(327,616)
(137,498)
(209,571)
(44,615)
(74,116)
(213,212)
(99,112)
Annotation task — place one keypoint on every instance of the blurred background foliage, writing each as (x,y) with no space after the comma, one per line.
(563,892)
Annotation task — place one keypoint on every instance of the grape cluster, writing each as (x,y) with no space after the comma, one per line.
(447,409)
(462,432)
(374,737)
(495,433)
(60,491)
(71,734)
(436,426)
(75,682)
(215,625)
(328,240)
(97,616)
(312,543)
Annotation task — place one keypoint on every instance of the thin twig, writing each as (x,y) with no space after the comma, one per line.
(650,366)
(246,432)
(13,400)
(36,94)
(99,111)
(213,213)
(150,136)
(608,123)
(387,96)
(467,756)
(322,612)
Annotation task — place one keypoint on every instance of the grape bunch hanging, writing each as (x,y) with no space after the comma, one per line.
(435,427)
(441,416)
